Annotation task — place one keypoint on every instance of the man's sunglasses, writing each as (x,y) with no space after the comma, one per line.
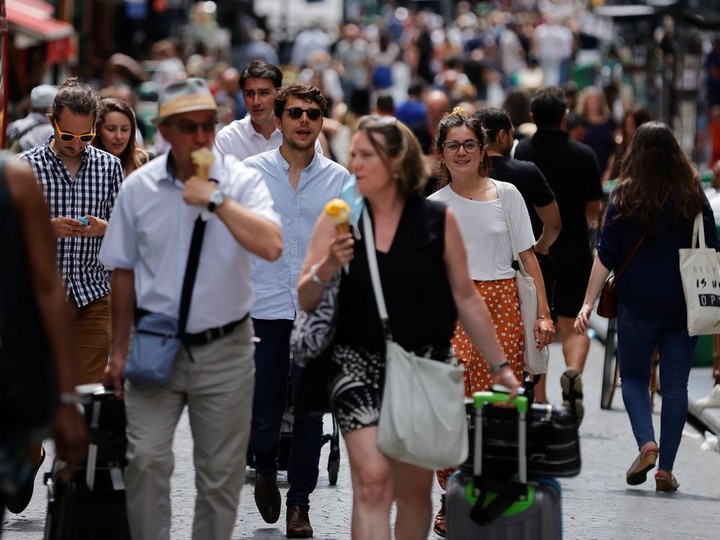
(296,113)
(68,137)
(189,128)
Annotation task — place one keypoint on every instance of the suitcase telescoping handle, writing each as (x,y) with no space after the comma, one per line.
(520,403)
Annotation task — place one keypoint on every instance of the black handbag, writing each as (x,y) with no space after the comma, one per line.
(553,444)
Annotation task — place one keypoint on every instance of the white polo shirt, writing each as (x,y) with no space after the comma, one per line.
(239,139)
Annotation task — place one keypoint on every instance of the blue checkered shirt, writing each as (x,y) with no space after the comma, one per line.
(91,192)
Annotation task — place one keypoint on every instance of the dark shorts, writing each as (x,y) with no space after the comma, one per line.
(549,270)
(570,287)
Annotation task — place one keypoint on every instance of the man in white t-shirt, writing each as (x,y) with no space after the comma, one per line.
(257,132)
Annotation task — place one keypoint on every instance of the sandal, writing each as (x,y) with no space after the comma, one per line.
(440,528)
(665,481)
(572,393)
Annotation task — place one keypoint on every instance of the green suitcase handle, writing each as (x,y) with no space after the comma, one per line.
(483,398)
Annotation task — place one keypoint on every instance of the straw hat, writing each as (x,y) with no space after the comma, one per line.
(184,96)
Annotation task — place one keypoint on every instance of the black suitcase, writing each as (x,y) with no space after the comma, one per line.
(92,505)
(497,505)
(553,443)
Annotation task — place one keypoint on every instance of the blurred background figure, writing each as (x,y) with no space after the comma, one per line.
(600,125)
(631,120)
(385,105)
(37,368)
(116,130)
(35,129)
(258,48)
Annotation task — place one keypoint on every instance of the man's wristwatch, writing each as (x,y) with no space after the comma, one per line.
(216,200)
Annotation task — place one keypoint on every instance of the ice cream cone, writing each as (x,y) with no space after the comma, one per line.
(338,212)
(203,160)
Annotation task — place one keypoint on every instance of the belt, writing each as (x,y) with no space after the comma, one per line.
(211,334)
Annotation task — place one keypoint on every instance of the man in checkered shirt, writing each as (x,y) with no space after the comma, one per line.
(80,184)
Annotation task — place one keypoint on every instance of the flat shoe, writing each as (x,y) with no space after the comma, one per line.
(637,473)
(572,393)
(665,481)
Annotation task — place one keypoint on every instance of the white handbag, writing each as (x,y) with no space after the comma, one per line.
(700,273)
(423,420)
(536,361)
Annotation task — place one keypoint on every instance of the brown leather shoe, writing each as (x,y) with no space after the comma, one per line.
(267,498)
(298,522)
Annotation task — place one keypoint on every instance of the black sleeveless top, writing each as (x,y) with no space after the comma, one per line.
(27,386)
(415,284)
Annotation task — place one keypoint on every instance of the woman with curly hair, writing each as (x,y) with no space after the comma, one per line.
(652,209)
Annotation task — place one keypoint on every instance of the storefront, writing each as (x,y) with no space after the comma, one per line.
(35,45)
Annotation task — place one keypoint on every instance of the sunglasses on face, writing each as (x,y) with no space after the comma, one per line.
(68,137)
(469,145)
(296,113)
(190,128)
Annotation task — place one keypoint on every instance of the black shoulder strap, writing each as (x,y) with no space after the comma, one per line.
(190,272)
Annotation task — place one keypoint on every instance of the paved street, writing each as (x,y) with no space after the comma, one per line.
(597,505)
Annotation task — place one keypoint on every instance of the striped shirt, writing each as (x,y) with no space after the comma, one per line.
(91,192)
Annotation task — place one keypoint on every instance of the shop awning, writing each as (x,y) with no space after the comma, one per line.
(32,22)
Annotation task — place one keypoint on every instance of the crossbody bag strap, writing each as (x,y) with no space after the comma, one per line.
(375,273)
(627,261)
(190,273)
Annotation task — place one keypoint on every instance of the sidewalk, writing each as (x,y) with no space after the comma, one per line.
(597,504)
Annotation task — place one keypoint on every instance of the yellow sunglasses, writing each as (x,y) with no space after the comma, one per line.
(68,137)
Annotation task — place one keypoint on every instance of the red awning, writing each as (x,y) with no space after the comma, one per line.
(33,18)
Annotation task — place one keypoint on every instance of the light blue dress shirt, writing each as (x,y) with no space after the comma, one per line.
(275,283)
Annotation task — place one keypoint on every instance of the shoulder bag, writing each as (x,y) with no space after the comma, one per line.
(535,360)
(422,416)
(700,274)
(157,339)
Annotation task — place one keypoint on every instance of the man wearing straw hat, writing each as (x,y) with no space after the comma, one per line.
(146,246)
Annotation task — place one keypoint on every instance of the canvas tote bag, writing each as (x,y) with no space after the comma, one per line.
(700,273)
(535,361)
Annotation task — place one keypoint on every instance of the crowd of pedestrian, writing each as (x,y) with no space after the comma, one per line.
(474,166)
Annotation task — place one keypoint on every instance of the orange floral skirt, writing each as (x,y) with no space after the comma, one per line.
(502,300)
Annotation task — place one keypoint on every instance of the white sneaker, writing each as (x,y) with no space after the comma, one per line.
(711,400)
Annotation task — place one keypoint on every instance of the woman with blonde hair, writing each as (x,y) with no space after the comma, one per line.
(423,269)
(600,125)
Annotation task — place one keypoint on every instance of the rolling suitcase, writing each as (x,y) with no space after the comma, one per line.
(496,506)
(92,505)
